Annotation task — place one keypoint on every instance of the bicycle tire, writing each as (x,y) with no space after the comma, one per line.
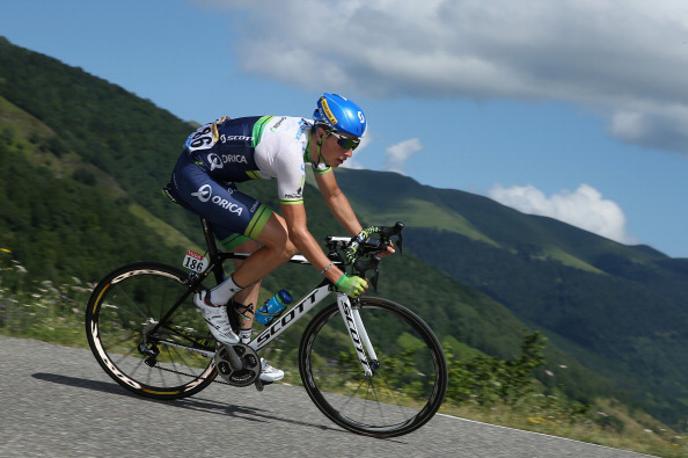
(403,345)
(121,305)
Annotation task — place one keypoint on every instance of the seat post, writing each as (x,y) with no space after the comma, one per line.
(209,238)
(213,252)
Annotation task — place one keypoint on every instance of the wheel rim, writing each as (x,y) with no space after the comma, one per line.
(404,391)
(128,306)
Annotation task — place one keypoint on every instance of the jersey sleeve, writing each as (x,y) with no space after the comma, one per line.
(291,176)
(321,168)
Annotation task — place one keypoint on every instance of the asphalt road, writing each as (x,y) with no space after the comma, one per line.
(56,401)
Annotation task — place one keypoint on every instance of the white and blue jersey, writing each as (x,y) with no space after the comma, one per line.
(229,151)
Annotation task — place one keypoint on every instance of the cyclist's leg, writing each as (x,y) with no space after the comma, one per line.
(266,228)
(276,250)
(232,212)
(246,300)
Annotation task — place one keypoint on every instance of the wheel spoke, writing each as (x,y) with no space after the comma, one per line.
(392,391)
(126,355)
(182,359)
(162,376)
(137,367)
(183,335)
(352,396)
(114,345)
(143,314)
(377,399)
(174,366)
(365,404)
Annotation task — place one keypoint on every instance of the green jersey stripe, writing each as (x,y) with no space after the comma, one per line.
(258,222)
(258,130)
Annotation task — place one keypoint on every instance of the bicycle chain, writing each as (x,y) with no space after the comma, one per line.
(222,382)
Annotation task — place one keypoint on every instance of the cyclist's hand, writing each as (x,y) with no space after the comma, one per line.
(351,286)
(352,251)
(388,251)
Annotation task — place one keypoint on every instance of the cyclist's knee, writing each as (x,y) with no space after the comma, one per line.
(284,247)
(275,237)
(290,249)
(248,246)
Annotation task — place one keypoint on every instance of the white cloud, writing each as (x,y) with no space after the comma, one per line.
(584,208)
(397,155)
(625,58)
(659,126)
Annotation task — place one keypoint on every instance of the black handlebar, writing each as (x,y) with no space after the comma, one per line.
(361,252)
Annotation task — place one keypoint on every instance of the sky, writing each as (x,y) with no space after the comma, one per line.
(577,110)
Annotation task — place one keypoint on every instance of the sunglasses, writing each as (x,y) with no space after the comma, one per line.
(347,143)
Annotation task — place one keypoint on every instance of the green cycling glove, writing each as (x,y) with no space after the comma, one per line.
(352,251)
(351,286)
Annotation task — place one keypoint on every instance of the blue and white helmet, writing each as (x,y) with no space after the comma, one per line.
(340,114)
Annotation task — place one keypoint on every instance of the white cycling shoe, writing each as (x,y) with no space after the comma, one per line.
(217,319)
(220,327)
(269,374)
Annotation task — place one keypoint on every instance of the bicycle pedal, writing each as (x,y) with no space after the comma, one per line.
(259,384)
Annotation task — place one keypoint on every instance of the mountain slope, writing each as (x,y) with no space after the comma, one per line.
(621,310)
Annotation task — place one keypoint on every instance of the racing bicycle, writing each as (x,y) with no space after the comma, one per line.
(370,365)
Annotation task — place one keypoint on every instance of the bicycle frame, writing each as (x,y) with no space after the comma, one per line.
(354,326)
(295,313)
(352,319)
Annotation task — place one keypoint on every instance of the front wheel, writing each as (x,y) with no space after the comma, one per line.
(409,377)
(122,314)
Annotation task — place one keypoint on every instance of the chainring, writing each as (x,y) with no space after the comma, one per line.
(243,376)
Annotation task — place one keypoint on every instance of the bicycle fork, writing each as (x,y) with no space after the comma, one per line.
(358,334)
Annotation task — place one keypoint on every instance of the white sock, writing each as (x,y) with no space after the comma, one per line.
(223,292)
(245,335)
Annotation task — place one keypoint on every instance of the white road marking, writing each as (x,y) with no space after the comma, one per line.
(540,434)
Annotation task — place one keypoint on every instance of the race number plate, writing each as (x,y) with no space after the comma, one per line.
(204,138)
(195,262)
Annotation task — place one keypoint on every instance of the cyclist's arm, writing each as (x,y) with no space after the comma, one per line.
(340,206)
(301,237)
(338,203)
(291,178)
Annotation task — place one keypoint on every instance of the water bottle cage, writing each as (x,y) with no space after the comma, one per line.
(273,307)
(269,317)
(246,312)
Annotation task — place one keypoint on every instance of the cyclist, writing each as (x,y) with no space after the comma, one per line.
(228,151)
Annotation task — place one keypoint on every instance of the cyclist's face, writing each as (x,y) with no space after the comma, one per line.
(333,153)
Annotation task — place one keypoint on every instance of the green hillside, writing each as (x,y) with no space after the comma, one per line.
(620,310)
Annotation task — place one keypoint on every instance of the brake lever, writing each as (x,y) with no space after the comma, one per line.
(364,265)
(385,233)
(374,279)
(394,232)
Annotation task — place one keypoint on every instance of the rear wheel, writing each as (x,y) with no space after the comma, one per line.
(409,378)
(173,362)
